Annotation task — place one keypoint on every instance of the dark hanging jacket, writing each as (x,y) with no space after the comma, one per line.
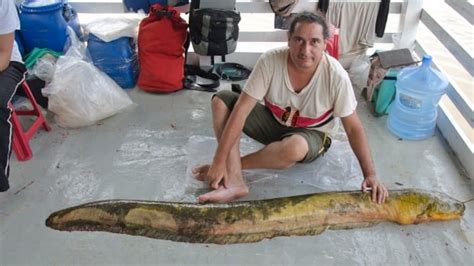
(323,6)
(382,18)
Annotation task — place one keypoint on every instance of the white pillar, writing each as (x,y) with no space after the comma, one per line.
(409,19)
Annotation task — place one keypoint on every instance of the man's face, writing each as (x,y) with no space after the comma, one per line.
(307,45)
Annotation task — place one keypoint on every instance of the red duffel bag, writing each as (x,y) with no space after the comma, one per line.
(161,40)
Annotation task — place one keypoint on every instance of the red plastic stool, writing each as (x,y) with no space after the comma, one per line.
(21,138)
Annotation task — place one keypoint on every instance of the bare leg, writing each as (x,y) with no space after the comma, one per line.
(237,187)
(277,155)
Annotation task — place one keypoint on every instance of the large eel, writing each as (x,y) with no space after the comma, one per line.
(252,221)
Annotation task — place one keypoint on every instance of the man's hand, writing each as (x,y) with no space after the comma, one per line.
(379,191)
(217,172)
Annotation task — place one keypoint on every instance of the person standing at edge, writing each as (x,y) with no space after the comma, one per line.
(304,91)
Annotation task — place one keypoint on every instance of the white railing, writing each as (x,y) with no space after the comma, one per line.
(446,33)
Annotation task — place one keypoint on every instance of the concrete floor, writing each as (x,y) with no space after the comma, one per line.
(146,154)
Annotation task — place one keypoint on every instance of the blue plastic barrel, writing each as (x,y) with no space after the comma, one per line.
(43,25)
(135,5)
(413,114)
(116,58)
(19,42)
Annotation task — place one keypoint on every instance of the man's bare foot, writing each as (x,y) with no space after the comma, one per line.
(223,194)
(200,172)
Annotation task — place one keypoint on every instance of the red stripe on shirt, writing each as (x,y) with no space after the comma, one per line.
(300,121)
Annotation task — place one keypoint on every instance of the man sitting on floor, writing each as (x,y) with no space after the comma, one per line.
(304,90)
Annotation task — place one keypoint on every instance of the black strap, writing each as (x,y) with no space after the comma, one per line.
(194,4)
(190,79)
(212,59)
(191,72)
(390,78)
(186,46)
(163,13)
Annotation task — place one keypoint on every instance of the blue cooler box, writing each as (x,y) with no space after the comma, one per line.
(117,59)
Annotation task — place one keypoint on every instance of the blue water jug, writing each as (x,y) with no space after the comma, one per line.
(116,58)
(413,114)
(43,25)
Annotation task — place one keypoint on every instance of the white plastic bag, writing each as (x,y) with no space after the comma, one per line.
(359,71)
(44,68)
(80,94)
(77,49)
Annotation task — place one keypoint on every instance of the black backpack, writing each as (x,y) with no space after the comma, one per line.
(213,31)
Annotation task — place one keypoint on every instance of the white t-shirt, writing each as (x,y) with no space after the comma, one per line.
(327,96)
(9,22)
